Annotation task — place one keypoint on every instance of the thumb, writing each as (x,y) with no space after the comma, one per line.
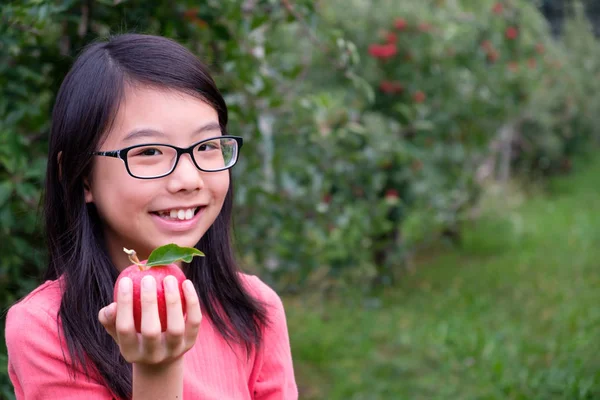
(107,317)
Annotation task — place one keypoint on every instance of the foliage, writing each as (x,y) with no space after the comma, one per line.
(512,314)
(468,83)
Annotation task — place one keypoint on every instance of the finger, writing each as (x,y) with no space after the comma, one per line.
(124,325)
(107,317)
(175,323)
(151,329)
(194,315)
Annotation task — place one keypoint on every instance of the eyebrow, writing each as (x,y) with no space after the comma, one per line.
(147,132)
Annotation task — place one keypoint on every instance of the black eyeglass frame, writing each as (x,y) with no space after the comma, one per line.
(122,154)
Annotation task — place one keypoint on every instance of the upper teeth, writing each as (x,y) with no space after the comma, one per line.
(181,214)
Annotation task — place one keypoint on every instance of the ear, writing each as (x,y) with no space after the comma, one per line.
(89,198)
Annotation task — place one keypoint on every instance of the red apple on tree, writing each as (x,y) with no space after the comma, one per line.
(160,264)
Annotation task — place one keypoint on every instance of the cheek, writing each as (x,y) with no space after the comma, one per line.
(219,184)
(114,190)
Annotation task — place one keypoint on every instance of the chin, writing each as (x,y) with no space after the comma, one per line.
(183,240)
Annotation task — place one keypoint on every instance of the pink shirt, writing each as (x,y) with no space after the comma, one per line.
(213,371)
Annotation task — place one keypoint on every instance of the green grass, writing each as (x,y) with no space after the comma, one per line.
(512,314)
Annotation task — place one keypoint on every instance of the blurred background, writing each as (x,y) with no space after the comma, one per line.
(419,180)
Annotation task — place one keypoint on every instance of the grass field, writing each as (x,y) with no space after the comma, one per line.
(512,314)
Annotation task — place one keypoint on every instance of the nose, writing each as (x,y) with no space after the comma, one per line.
(185,177)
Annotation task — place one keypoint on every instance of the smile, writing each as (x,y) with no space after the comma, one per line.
(178,220)
(181,214)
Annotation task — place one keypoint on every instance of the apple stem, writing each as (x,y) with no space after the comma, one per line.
(131,254)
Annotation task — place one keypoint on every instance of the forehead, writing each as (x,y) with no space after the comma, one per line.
(175,115)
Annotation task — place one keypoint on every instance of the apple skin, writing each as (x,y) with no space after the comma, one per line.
(136,273)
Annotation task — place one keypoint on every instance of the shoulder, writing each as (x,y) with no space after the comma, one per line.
(36,314)
(31,331)
(269,298)
(260,290)
(41,303)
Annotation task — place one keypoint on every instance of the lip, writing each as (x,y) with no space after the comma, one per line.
(178,226)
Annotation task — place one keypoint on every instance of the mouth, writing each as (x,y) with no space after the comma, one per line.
(178,214)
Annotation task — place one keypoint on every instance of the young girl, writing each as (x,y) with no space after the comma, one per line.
(139,157)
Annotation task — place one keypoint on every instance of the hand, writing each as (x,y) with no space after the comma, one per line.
(152,346)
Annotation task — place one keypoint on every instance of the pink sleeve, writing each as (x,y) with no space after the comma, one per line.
(275,380)
(36,365)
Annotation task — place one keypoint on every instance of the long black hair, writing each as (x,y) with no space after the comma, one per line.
(85,108)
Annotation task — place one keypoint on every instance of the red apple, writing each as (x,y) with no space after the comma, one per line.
(511,33)
(136,272)
(400,24)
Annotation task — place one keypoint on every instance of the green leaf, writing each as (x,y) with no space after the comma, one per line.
(171,253)
(424,125)
(5,192)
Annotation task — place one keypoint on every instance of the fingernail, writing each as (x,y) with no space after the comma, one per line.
(170,283)
(147,283)
(125,285)
(108,311)
(188,286)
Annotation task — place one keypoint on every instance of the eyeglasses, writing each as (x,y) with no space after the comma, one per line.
(149,161)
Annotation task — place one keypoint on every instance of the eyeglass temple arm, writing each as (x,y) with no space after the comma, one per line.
(115,154)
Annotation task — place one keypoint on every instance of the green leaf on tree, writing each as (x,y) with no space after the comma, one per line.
(6,189)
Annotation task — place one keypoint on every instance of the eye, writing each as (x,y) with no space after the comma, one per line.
(213,145)
(147,151)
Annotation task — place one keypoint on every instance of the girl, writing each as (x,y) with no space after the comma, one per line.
(139,157)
